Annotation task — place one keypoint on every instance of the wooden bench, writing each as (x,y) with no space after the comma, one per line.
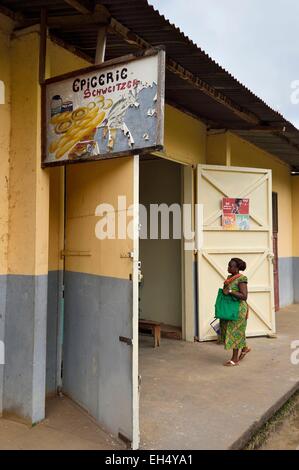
(154,327)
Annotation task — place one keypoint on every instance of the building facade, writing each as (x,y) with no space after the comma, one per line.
(47,241)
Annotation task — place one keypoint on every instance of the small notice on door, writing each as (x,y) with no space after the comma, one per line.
(235,214)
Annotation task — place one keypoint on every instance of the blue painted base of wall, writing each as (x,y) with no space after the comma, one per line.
(286,281)
(3,285)
(296,279)
(25,347)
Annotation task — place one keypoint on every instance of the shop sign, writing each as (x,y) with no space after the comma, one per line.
(109,110)
(235,214)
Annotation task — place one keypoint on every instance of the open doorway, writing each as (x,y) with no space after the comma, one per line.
(160,289)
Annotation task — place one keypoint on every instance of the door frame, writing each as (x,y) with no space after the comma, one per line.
(188,281)
(135,319)
(188,258)
(275,249)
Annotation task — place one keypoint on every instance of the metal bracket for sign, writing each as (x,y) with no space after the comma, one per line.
(128,341)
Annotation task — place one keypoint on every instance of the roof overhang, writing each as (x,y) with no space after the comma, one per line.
(194,82)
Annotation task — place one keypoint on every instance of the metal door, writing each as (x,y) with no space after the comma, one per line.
(219,245)
(100,351)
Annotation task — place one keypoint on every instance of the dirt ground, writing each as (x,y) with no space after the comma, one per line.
(286,434)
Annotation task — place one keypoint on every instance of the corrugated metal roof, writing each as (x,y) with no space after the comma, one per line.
(146,22)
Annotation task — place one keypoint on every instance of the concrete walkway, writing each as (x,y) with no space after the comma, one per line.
(190,401)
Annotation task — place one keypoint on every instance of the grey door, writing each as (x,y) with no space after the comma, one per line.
(100,370)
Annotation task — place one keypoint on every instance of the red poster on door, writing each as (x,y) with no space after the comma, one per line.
(235,206)
(235,214)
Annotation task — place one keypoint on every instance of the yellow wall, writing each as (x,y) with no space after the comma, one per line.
(216,149)
(5,126)
(56,215)
(63,61)
(185,137)
(295,191)
(247,155)
(60,61)
(28,191)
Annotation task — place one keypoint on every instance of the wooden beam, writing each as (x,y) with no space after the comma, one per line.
(101,46)
(79,6)
(288,141)
(228,150)
(15,16)
(184,74)
(211,92)
(69,22)
(271,129)
(266,129)
(274,132)
(5,11)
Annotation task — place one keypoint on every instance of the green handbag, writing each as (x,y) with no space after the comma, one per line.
(226,307)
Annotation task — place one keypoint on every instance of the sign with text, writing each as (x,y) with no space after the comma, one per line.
(110,110)
(235,214)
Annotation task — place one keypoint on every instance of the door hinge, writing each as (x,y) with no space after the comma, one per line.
(128,341)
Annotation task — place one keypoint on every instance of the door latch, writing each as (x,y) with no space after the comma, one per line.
(128,341)
(271,257)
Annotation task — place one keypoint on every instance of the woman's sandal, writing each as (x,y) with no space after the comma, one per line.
(244,353)
(231,364)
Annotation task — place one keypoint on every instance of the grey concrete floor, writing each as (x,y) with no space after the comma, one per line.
(190,401)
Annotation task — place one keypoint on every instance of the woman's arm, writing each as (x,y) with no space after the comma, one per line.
(243,291)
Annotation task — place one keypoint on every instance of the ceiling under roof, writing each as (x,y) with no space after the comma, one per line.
(194,82)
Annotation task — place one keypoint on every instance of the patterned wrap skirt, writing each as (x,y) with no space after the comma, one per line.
(233,333)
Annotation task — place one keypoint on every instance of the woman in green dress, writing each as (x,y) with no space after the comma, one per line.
(233,333)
